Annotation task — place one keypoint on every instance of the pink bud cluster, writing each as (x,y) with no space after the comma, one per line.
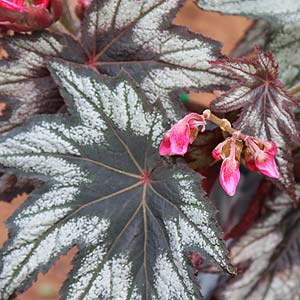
(259,155)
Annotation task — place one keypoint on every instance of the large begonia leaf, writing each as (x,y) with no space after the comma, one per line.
(266,109)
(277,11)
(268,255)
(139,37)
(26,86)
(163,58)
(135,35)
(133,215)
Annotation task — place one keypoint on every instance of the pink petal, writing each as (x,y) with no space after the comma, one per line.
(165,146)
(267,165)
(41,3)
(273,149)
(180,138)
(216,153)
(250,164)
(249,160)
(193,119)
(229,176)
(15,5)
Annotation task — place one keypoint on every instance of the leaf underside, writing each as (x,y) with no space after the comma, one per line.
(276,11)
(26,86)
(133,216)
(266,111)
(268,254)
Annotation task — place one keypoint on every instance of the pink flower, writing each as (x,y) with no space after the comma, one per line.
(20,15)
(217,152)
(260,156)
(165,146)
(230,151)
(230,175)
(177,139)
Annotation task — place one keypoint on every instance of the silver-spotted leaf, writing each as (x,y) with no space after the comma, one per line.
(139,37)
(133,216)
(277,11)
(162,58)
(268,255)
(26,86)
(266,109)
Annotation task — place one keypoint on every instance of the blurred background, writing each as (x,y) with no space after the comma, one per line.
(229,30)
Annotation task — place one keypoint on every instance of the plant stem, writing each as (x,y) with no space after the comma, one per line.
(224,124)
(66,19)
(294,90)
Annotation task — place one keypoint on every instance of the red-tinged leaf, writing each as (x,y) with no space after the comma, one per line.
(268,255)
(252,213)
(266,109)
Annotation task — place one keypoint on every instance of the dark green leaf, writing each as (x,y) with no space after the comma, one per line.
(133,216)
(25,83)
(162,58)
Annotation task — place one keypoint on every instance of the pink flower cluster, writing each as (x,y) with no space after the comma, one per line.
(259,155)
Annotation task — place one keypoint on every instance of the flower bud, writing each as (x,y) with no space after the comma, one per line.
(260,156)
(183,133)
(230,151)
(19,15)
(230,175)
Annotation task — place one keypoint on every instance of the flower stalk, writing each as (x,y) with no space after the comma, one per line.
(224,124)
